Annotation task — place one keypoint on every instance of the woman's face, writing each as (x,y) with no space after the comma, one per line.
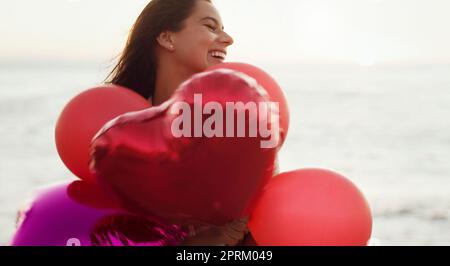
(202,42)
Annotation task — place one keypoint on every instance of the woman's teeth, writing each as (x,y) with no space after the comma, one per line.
(218,54)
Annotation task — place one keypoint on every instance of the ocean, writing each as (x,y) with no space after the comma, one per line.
(385,128)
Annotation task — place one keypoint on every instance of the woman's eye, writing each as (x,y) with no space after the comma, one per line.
(212,28)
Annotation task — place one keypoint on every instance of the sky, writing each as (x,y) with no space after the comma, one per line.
(363,32)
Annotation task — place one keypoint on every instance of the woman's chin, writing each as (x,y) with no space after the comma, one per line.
(209,63)
(212,61)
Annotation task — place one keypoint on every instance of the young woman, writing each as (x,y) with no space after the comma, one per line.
(170,41)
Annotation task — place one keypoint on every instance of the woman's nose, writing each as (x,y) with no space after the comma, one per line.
(227,39)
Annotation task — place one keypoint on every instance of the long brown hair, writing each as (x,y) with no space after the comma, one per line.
(137,65)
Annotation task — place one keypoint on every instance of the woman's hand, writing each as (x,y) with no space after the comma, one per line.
(230,234)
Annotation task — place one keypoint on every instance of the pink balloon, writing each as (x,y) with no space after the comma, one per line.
(55,218)
(311,207)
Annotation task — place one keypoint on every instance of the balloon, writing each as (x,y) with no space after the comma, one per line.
(83,116)
(90,194)
(140,158)
(311,207)
(267,82)
(54,218)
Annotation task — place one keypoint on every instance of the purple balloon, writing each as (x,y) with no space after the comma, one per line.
(56,219)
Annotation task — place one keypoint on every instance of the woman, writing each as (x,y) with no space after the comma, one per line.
(170,41)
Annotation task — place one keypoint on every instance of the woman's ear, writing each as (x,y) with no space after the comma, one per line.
(165,40)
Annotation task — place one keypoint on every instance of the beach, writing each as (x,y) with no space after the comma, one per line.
(386,128)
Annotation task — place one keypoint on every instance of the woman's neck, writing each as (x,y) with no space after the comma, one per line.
(168,77)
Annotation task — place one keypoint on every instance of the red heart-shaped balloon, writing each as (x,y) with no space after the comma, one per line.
(208,179)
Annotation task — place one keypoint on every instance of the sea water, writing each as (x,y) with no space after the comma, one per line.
(385,128)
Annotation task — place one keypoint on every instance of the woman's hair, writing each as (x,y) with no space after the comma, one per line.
(137,65)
